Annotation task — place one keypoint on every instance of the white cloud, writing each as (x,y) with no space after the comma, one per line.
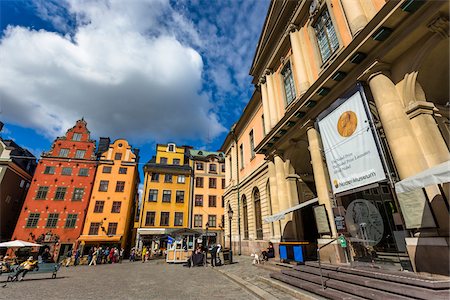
(128,75)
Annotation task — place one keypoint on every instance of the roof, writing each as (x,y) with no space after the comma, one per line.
(201,154)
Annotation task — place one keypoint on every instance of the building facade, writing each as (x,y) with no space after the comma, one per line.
(207,202)
(17,167)
(55,207)
(167,187)
(110,216)
(389,59)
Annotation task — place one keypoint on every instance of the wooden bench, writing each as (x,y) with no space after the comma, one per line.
(41,269)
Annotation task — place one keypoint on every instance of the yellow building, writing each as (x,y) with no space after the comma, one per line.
(209,182)
(165,202)
(110,214)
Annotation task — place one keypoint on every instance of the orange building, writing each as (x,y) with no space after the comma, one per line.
(111,210)
(54,209)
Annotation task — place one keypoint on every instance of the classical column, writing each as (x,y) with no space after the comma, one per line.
(321,178)
(265,102)
(283,200)
(403,144)
(274,198)
(272,100)
(299,65)
(355,15)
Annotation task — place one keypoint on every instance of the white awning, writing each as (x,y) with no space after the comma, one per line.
(152,231)
(280,215)
(436,175)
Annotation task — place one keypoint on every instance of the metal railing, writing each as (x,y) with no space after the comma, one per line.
(318,257)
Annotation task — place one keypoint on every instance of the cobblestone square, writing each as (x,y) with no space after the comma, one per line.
(152,280)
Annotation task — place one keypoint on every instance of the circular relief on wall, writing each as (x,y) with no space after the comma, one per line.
(364,222)
(347,123)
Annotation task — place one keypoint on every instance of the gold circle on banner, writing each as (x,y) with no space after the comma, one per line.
(347,123)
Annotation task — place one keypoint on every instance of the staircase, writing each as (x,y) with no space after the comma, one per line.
(363,283)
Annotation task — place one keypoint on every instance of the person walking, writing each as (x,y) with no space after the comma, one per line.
(132,255)
(77,257)
(68,257)
(144,254)
(121,252)
(94,257)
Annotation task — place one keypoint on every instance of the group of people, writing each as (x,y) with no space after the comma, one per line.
(198,257)
(29,265)
(96,255)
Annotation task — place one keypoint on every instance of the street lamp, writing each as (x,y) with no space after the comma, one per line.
(207,238)
(230,217)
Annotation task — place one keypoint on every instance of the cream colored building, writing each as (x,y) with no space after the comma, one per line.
(310,57)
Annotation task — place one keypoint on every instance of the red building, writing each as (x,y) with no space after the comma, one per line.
(54,209)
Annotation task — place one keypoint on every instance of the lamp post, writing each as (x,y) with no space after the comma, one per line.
(207,238)
(230,217)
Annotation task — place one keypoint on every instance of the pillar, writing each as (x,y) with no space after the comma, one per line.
(355,15)
(274,198)
(403,144)
(321,178)
(265,102)
(299,65)
(272,100)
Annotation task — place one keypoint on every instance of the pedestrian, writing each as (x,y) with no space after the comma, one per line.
(77,257)
(122,251)
(68,257)
(90,254)
(94,257)
(116,255)
(132,255)
(144,254)
(99,255)
(111,256)
(105,255)
(213,252)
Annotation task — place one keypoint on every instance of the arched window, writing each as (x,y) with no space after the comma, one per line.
(245,212)
(258,218)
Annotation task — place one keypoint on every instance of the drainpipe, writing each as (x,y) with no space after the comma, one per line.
(238,191)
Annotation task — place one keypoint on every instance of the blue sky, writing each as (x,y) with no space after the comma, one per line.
(151,71)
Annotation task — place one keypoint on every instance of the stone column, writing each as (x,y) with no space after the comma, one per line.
(274,198)
(283,200)
(321,177)
(265,102)
(292,193)
(403,144)
(272,100)
(355,15)
(299,65)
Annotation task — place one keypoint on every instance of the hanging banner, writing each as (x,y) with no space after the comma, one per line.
(350,151)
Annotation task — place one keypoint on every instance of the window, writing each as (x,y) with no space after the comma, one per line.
(93,229)
(60,193)
(120,186)
(326,35)
(52,220)
(163,160)
(241,150)
(223,221)
(223,183)
(66,171)
(153,195)
(176,161)
(71,220)
(107,170)
(83,172)
(118,156)
(123,170)
(166,196)
(212,183)
(42,192)
(116,207)
(64,152)
(252,144)
(222,166)
(258,217)
(164,219)
(263,125)
(103,186)
(112,228)
(155,177)
(99,204)
(198,200)
(223,201)
(33,219)
(150,218)
(77,194)
(212,201)
(171,148)
(231,167)
(168,178)
(77,137)
(245,215)
(179,197)
(213,168)
(49,170)
(199,182)
(199,166)
(181,179)
(212,220)
(178,219)
(80,153)
(289,85)
(198,221)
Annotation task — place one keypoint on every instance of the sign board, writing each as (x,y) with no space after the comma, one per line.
(323,226)
(416,210)
(349,146)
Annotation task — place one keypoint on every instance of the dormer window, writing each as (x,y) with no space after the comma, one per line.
(171,148)
(77,137)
